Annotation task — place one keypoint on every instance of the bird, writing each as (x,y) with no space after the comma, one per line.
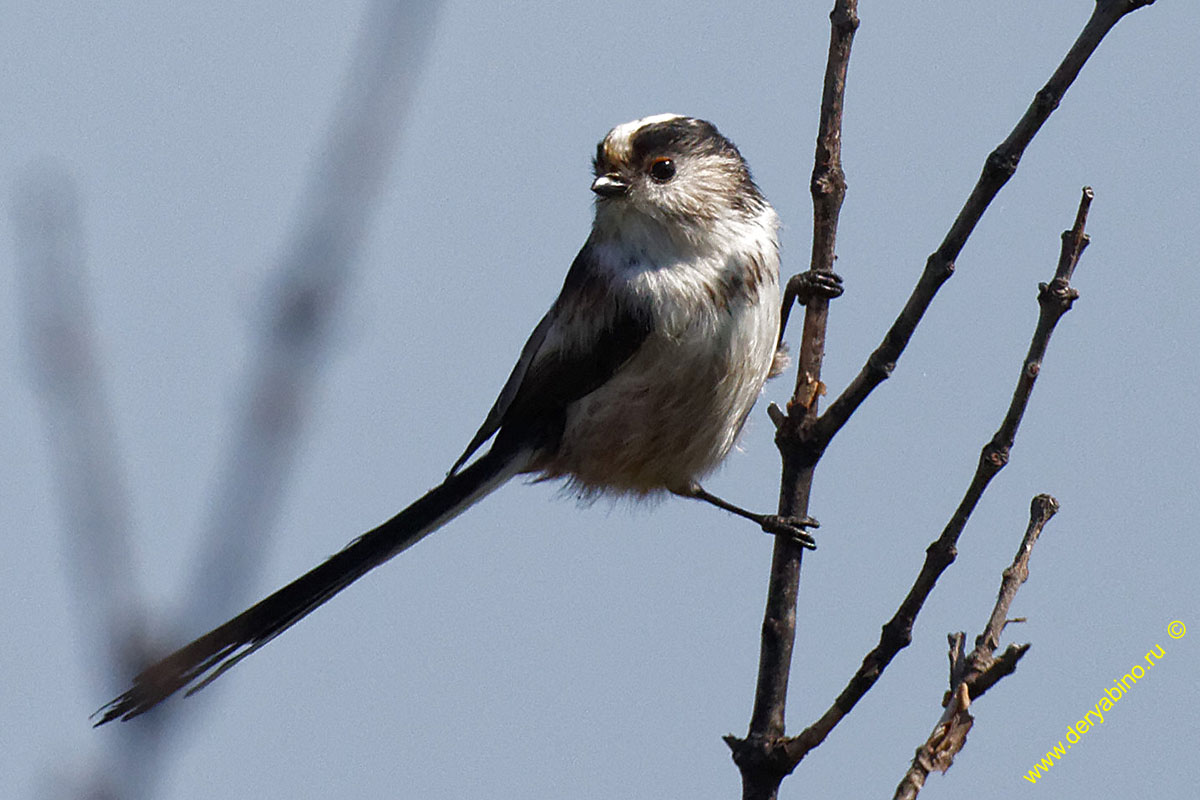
(636,382)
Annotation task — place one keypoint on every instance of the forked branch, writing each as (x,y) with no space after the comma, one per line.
(1054,300)
(757,754)
(997,169)
(764,756)
(972,675)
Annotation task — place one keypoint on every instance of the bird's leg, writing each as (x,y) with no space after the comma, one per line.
(804,286)
(771,523)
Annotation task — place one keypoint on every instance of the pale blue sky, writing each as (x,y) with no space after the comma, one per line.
(533,648)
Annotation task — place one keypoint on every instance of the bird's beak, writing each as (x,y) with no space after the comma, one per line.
(610,185)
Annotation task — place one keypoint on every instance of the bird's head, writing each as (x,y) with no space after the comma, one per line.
(678,171)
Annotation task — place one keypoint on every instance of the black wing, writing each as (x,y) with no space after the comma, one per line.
(495,416)
(592,329)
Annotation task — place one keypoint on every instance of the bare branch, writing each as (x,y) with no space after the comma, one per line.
(972,675)
(764,757)
(897,633)
(757,754)
(938,751)
(1042,509)
(1002,666)
(997,169)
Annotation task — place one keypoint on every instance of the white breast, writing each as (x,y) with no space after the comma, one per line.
(673,412)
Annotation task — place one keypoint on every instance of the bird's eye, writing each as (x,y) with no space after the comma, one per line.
(662,169)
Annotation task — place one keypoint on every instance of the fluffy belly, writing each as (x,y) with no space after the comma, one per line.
(673,411)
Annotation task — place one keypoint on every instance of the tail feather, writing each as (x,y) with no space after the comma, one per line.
(200,663)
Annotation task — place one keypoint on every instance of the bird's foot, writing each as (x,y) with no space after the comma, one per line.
(805,286)
(795,528)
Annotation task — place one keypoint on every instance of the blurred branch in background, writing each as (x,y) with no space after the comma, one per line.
(314,267)
(64,365)
(311,275)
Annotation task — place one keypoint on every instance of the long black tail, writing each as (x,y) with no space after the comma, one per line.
(200,663)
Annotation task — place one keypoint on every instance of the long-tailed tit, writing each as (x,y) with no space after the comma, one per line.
(636,382)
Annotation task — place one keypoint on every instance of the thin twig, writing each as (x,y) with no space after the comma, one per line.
(998,168)
(937,752)
(764,757)
(756,755)
(982,660)
(1054,300)
(972,675)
